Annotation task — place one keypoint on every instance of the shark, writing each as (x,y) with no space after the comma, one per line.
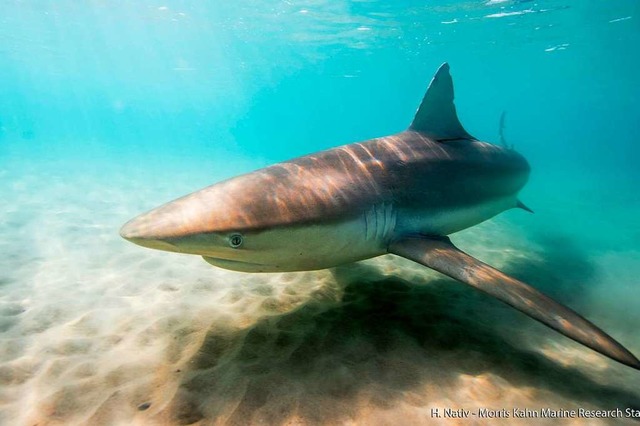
(402,194)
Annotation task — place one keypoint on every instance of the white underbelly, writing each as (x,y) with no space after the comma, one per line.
(320,246)
(313,247)
(448,221)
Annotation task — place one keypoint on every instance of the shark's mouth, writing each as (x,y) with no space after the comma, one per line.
(154,243)
(239,265)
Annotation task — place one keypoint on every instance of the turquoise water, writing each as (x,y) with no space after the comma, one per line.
(109,108)
(280,79)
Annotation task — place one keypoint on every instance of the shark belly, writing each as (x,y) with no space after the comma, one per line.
(445,221)
(326,245)
(310,247)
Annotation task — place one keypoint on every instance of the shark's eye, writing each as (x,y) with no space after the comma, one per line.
(235,240)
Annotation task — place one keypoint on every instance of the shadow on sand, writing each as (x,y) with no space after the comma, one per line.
(387,340)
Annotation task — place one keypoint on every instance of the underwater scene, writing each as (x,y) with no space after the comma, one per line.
(111,108)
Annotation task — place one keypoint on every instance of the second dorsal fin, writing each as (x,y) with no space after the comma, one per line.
(436,117)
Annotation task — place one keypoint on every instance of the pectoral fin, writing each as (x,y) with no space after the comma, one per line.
(440,254)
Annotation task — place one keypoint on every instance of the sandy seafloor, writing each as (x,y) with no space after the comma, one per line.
(93,329)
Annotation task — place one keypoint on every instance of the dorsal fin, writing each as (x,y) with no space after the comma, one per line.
(436,116)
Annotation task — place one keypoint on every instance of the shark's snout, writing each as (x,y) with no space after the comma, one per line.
(144,232)
(182,225)
(131,230)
